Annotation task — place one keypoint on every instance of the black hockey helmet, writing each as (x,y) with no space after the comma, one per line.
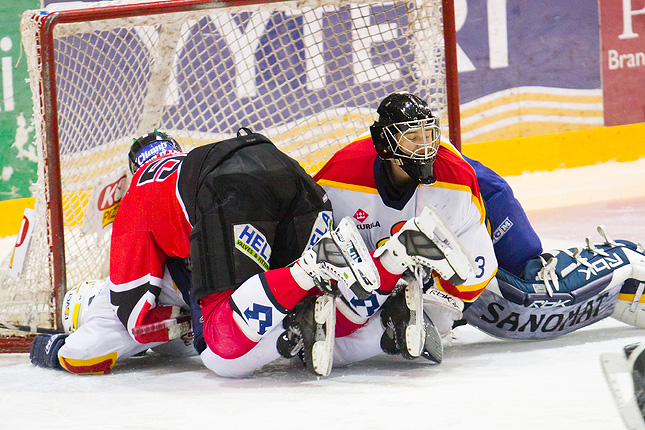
(407,133)
(145,147)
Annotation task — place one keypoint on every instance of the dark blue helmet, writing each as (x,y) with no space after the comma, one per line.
(146,147)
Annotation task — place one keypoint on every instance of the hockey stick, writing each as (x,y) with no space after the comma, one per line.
(26,328)
(175,327)
(137,331)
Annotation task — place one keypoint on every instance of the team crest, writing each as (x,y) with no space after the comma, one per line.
(360,215)
(252,243)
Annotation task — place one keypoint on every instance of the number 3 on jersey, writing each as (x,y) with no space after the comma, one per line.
(480,263)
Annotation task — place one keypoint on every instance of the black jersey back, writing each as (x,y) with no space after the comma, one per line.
(252,208)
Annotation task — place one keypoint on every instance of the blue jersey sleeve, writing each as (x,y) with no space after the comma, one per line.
(514,240)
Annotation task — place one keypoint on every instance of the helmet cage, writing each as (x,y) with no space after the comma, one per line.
(415,140)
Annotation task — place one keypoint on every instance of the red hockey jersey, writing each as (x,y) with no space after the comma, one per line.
(150,226)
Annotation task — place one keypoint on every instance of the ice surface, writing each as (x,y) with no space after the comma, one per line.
(483,383)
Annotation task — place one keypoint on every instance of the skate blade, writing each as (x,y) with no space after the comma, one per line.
(618,374)
(433,347)
(432,225)
(362,276)
(322,353)
(415,332)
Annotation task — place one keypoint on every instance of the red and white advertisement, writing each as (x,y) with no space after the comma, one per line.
(105,200)
(19,254)
(622,47)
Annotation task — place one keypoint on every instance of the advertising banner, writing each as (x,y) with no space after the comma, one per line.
(527,68)
(17,149)
(622,30)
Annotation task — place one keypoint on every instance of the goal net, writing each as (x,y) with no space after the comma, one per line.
(308,75)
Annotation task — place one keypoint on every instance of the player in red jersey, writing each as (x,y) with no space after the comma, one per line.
(148,275)
(243,211)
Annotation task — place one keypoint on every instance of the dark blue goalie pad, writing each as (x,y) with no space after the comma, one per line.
(514,240)
(558,293)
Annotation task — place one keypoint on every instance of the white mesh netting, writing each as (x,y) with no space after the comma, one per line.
(308,77)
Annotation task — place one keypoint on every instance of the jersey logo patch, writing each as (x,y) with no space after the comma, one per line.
(360,215)
(160,170)
(500,231)
(262,314)
(321,226)
(370,304)
(252,243)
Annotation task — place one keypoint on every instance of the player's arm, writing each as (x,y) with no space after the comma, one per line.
(137,274)
(476,241)
(514,239)
(136,305)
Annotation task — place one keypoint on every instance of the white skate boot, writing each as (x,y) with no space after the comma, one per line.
(341,255)
(427,240)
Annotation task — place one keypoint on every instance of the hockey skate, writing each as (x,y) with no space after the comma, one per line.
(341,255)
(408,329)
(625,374)
(309,334)
(428,241)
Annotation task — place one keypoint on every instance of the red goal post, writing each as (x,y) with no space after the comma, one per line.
(309,75)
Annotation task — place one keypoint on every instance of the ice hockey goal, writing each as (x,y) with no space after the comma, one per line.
(308,74)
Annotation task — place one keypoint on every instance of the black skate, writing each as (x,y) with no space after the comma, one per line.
(309,334)
(408,330)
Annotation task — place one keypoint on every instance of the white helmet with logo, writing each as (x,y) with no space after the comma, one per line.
(76,302)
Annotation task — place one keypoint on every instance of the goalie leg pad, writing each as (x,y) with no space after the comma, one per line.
(630,307)
(442,309)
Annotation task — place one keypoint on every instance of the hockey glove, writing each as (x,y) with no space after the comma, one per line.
(44,350)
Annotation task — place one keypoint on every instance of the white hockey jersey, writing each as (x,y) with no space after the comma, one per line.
(353,179)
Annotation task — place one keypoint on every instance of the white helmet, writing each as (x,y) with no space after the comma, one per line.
(76,302)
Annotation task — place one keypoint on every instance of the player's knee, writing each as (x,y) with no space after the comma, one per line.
(222,333)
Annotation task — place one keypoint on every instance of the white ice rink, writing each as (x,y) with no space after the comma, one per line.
(483,383)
